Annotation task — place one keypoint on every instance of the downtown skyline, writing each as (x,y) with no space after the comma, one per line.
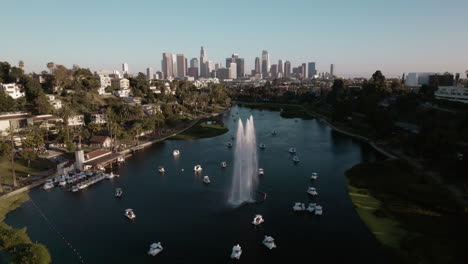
(357,37)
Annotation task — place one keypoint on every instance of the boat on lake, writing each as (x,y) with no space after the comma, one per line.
(236,252)
(296,159)
(269,242)
(118,192)
(260,171)
(223,164)
(292,150)
(155,249)
(318,210)
(312,191)
(206,179)
(258,219)
(175,152)
(314,176)
(311,207)
(262,146)
(197,168)
(161,169)
(129,214)
(298,207)
(49,184)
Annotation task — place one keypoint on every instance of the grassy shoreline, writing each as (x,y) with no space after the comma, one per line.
(416,221)
(204,128)
(286,111)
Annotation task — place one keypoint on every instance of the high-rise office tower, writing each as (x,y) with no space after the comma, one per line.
(203,60)
(232,70)
(332,68)
(304,70)
(265,63)
(194,63)
(258,67)
(174,65)
(274,70)
(208,68)
(239,64)
(181,66)
(125,68)
(287,68)
(217,66)
(150,73)
(311,70)
(281,66)
(186,66)
(166,65)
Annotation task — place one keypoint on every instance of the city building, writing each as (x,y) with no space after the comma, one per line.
(311,70)
(265,63)
(258,66)
(12,89)
(223,73)
(452,93)
(104,81)
(150,73)
(281,67)
(100,142)
(13,120)
(181,66)
(125,68)
(332,70)
(304,70)
(193,72)
(203,66)
(418,78)
(287,68)
(121,83)
(437,80)
(274,70)
(232,70)
(98,118)
(174,66)
(166,65)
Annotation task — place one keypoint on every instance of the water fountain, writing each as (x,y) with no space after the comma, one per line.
(245,178)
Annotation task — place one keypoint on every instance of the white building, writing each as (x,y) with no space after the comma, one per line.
(122,93)
(14,120)
(151,109)
(418,78)
(12,89)
(200,83)
(452,93)
(121,83)
(105,81)
(125,68)
(77,120)
(233,71)
(98,118)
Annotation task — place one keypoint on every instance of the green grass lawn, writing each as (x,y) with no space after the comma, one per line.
(201,130)
(416,221)
(22,169)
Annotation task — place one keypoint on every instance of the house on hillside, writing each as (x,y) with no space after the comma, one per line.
(100,142)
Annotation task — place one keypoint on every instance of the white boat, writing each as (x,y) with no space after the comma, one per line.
(120,159)
(292,150)
(130,214)
(262,146)
(236,252)
(314,176)
(229,145)
(118,192)
(155,249)
(298,207)
(48,185)
(197,168)
(62,182)
(312,191)
(161,169)
(258,219)
(175,152)
(260,171)
(206,179)
(82,186)
(223,164)
(110,175)
(296,158)
(318,210)
(311,207)
(75,188)
(269,242)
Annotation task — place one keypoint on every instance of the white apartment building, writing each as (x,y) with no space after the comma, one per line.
(104,80)
(122,93)
(452,93)
(77,120)
(98,118)
(121,83)
(12,89)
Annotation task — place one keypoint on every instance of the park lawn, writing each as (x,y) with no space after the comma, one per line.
(22,169)
(416,221)
(202,130)
(385,229)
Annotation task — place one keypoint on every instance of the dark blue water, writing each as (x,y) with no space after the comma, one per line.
(193,220)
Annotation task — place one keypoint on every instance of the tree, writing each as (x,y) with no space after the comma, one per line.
(21,64)
(93,128)
(50,66)
(31,253)
(7,104)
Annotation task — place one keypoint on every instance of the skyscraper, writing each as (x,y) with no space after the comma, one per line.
(125,68)
(194,63)
(258,68)
(232,70)
(203,66)
(332,66)
(166,65)
(311,71)
(174,65)
(274,70)
(287,68)
(304,70)
(281,66)
(181,66)
(150,73)
(265,63)
(239,64)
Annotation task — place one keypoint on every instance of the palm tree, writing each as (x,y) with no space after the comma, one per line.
(65,113)
(11,133)
(137,128)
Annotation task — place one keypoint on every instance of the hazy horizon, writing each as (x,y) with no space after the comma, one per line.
(358,38)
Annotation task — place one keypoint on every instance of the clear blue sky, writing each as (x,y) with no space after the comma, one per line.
(358,36)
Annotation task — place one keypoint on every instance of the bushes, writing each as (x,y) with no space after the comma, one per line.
(31,254)
(10,237)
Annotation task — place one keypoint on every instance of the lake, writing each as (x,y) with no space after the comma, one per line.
(193,220)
